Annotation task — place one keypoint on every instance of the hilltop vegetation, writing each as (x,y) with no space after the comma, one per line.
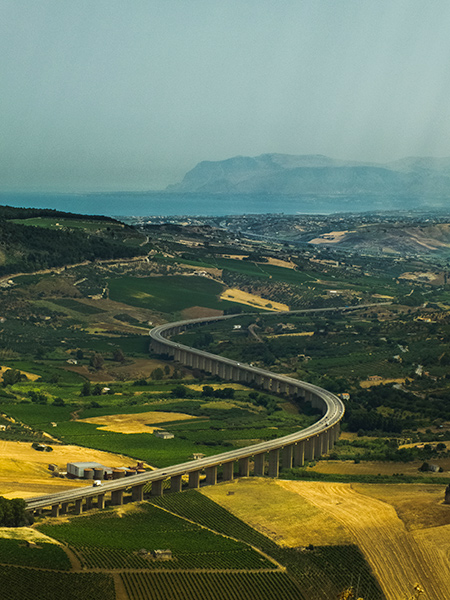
(32,240)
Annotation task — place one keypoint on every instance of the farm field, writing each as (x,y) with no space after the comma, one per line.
(135,423)
(211,586)
(24,471)
(419,506)
(349,467)
(167,294)
(21,583)
(236,295)
(398,558)
(105,541)
(278,513)
(322,571)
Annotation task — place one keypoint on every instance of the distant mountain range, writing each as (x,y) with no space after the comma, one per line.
(317,175)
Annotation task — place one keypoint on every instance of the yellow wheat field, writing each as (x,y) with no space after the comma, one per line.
(145,422)
(398,558)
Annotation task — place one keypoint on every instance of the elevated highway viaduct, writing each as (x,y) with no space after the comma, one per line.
(259,459)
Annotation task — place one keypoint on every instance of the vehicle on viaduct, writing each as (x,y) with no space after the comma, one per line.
(292,450)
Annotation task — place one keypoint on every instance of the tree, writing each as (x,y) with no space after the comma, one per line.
(157,374)
(118,355)
(96,361)
(11,376)
(13,513)
(179,391)
(86,389)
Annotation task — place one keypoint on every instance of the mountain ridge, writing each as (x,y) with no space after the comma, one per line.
(316,174)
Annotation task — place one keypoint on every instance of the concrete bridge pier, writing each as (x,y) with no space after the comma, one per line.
(78,506)
(88,504)
(259,464)
(244,467)
(175,483)
(228,471)
(214,369)
(101,501)
(228,372)
(309,449)
(63,509)
(194,479)
(282,388)
(318,446)
(117,497)
(157,487)
(286,457)
(211,475)
(55,510)
(137,493)
(337,430)
(266,384)
(274,462)
(299,454)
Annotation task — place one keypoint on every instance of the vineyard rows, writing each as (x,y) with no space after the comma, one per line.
(195,506)
(46,556)
(19,583)
(103,558)
(210,586)
(322,572)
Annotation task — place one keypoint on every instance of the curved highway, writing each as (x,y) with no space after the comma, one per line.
(312,441)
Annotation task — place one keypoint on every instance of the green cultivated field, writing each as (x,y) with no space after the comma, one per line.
(19,583)
(44,556)
(321,572)
(105,541)
(168,294)
(203,535)
(211,586)
(84,309)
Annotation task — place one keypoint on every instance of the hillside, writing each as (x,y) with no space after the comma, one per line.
(32,240)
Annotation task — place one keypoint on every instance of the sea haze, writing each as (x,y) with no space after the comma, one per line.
(167,204)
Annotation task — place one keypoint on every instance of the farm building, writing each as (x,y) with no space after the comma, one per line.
(162,554)
(77,469)
(164,435)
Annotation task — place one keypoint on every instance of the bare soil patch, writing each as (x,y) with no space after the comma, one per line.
(281,263)
(139,369)
(136,423)
(278,513)
(197,312)
(236,295)
(367,383)
(397,557)
(24,472)
(332,237)
(348,467)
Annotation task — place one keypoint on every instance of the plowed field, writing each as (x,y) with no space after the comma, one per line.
(398,558)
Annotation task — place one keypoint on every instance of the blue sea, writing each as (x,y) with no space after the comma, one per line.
(140,204)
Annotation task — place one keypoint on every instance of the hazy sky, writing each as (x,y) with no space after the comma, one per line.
(130,94)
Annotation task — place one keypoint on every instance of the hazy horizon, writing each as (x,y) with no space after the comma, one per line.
(111,96)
